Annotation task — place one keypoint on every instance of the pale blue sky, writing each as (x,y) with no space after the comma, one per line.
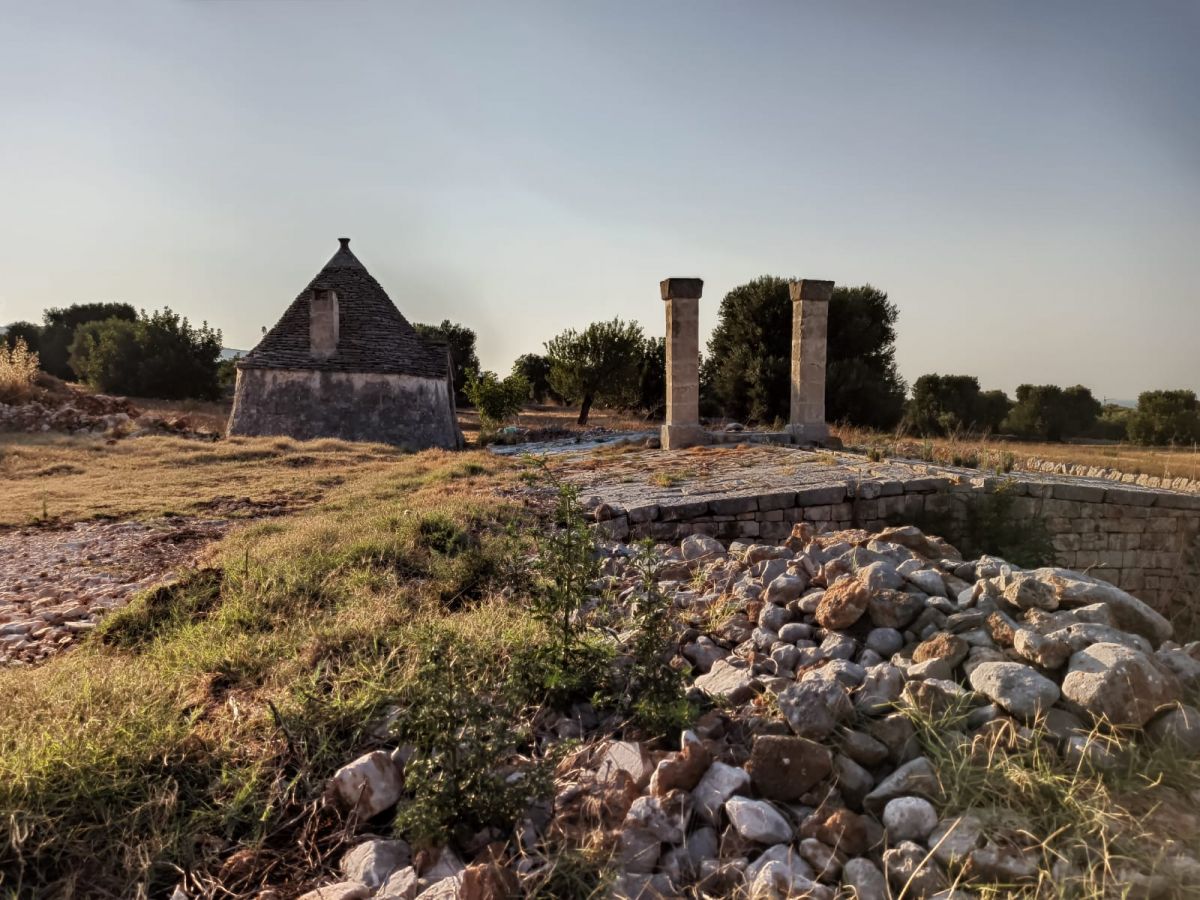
(1022,178)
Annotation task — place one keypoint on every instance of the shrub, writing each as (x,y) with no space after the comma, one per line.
(990,524)
(1052,413)
(535,368)
(497,400)
(28,332)
(18,368)
(60,325)
(1166,417)
(158,355)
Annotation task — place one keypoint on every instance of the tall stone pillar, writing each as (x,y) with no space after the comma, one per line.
(810,327)
(682,428)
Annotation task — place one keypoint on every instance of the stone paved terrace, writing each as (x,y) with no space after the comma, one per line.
(1144,540)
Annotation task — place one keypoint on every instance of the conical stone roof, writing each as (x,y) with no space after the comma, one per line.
(373,336)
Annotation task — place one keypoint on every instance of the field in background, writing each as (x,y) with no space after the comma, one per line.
(993,452)
(59,478)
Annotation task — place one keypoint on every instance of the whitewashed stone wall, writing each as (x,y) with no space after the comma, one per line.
(404,410)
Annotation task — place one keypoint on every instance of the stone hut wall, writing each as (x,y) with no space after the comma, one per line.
(405,410)
(1145,542)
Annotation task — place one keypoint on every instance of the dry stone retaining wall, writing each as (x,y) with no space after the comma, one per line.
(1146,542)
(1180,483)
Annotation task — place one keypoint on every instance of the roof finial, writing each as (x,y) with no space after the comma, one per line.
(345,242)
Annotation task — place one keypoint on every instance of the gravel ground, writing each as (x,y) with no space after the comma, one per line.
(55,585)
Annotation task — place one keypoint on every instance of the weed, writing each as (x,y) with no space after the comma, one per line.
(18,368)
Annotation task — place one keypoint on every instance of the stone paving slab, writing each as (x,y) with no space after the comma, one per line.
(635,479)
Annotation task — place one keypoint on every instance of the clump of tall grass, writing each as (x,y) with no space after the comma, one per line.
(18,368)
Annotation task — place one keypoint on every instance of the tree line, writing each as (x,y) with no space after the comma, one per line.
(744,375)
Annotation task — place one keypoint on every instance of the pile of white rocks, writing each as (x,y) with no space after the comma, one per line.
(805,777)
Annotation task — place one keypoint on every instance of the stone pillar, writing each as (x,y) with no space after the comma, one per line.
(682,428)
(810,326)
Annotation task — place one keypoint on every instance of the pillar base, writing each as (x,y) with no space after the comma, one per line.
(676,437)
(811,433)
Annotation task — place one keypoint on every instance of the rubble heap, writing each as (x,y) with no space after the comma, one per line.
(821,667)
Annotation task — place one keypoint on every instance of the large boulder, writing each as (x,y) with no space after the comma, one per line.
(1128,613)
(1118,683)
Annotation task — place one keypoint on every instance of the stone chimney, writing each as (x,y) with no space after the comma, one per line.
(810,327)
(682,428)
(323,323)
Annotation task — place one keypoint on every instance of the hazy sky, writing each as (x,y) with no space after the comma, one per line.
(1023,178)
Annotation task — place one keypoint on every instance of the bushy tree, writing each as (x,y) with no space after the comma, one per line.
(991,410)
(496,399)
(159,354)
(747,370)
(535,369)
(601,364)
(1051,413)
(461,342)
(942,404)
(28,332)
(1166,417)
(652,379)
(59,331)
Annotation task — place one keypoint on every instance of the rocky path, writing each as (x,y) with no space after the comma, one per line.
(55,585)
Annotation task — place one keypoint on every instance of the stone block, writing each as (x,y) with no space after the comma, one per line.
(640,514)
(1088,493)
(926,485)
(821,496)
(685,509)
(681,288)
(774,515)
(818,513)
(1129,497)
(731,506)
(779,500)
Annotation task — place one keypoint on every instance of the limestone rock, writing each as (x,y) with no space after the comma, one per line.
(826,862)
(369,785)
(698,548)
(1128,613)
(1024,591)
(784,768)
(400,885)
(785,588)
(864,878)
(1019,689)
(916,777)
(843,604)
(813,708)
(1180,727)
(758,820)
(719,783)
(909,819)
(628,757)
(682,770)
(343,890)
(893,609)
(1113,681)
(727,682)
(944,646)
(954,838)
(841,829)
(1046,651)
(371,862)
(908,870)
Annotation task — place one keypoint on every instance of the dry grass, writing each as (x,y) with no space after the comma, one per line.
(202,415)
(1171,462)
(189,728)
(59,478)
(18,368)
